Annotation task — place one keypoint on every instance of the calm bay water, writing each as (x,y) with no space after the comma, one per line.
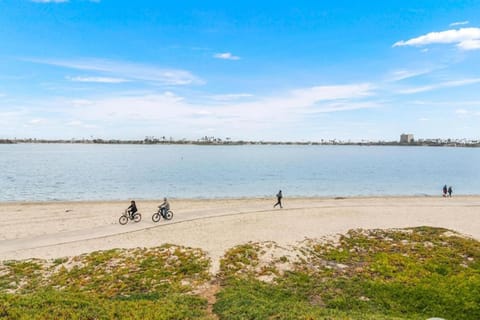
(44,172)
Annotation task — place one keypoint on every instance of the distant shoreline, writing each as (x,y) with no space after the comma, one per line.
(219,142)
(234,199)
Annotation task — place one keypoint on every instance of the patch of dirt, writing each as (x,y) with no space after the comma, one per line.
(209,291)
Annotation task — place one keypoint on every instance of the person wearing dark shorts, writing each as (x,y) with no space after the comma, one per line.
(279,199)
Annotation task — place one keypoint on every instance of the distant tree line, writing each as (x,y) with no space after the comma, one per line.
(206,140)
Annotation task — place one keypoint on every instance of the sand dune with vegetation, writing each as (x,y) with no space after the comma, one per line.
(317,258)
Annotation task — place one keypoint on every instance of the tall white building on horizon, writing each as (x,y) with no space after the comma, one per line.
(406,138)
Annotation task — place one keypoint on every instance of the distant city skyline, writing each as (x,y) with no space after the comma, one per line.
(405,139)
(347,70)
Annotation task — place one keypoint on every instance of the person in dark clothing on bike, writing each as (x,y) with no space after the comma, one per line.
(279,199)
(132,209)
(445,190)
(164,207)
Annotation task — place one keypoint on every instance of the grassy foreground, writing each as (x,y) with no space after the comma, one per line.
(415,273)
(155,283)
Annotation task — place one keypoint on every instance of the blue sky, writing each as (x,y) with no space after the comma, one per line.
(263,70)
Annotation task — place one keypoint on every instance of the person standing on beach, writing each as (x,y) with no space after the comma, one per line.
(445,191)
(450,190)
(279,199)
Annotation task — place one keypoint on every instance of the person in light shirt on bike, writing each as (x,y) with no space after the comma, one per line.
(164,207)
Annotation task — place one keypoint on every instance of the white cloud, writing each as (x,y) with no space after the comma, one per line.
(97,79)
(446,103)
(226,56)
(463,113)
(464,38)
(459,23)
(312,95)
(399,75)
(203,113)
(180,117)
(80,102)
(139,113)
(469,45)
(231,96)
(36,121)
(447,84)
(80,124)
(126,70)
(345,106)
(75,123)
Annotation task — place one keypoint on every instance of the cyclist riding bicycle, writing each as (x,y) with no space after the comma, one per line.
(164,207)
(132,209)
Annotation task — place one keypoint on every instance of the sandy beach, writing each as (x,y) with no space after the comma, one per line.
(58,229)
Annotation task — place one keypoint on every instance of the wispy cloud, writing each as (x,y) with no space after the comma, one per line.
(130,113)
(126,70)
(459,23)
(464,113)
(447,103)
(289,102)
(310,96)
(37,121)
(78,123)
(97,79)
(464,38)
(447,84)
(399,75)
(228,117)
(226,56)
(345,106)
(231,96)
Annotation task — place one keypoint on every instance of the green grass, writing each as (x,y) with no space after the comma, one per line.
(254,299)
(405,274)
(154,283)
(414,273)
(65,305)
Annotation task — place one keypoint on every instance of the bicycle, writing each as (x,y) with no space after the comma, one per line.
(166,214)
(136,217)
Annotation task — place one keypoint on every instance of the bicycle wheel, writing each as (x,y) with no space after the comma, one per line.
(137,217)
(169,215)
(156,217)
(123,220)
